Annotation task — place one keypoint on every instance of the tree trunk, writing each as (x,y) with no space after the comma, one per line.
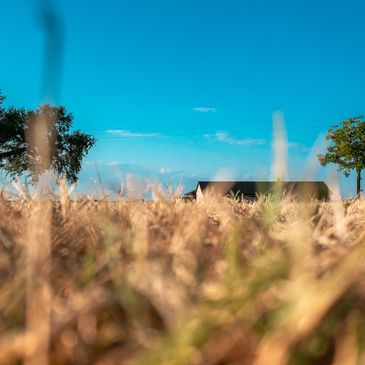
(358,179)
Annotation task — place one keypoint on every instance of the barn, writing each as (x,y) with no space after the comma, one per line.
(250,190)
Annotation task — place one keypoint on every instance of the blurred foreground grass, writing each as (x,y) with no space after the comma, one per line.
(173,282)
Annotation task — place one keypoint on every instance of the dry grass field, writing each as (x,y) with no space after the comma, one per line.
(173,282)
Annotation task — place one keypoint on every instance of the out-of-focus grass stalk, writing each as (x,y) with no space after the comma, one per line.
(38,291)
(21,189)
(38,249)
(64,197)
(346,343)
(280,169)
(41,137)
(337,206)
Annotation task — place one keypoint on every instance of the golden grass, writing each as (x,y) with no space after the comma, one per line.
(173,282)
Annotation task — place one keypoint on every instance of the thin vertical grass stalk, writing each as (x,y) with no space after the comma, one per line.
(64,197)
(21,189)
(38,290)
(280,168)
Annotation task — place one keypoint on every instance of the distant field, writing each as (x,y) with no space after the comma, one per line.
(173,282)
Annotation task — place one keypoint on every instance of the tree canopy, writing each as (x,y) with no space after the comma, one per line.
(34,141)
(347,148)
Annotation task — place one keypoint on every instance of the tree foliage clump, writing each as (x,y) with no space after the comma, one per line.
(34,141)
(347,149)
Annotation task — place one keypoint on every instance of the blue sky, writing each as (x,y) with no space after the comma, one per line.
(185,90)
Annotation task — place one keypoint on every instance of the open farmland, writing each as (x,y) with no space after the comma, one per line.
(173,282)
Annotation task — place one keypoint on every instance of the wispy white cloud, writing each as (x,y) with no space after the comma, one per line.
(293,145)
(165,170)
(128,134)
(204,110)
(299,146)
(225,137)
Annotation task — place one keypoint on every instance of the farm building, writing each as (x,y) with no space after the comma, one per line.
(250,190)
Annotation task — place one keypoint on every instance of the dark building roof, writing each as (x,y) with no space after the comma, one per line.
(250,189)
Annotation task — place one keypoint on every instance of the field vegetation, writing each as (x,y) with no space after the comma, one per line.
(173,282)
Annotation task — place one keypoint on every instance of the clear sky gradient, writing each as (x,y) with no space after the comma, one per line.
(182,90)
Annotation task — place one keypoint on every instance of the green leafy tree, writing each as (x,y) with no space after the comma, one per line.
(33,141)
(347,148)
